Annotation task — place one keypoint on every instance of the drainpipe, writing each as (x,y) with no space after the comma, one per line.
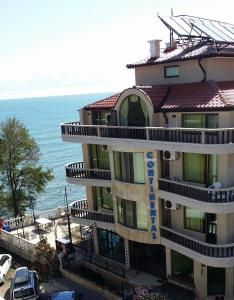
(165,118)
(203,70)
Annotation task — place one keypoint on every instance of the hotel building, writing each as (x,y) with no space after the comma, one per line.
(158,161)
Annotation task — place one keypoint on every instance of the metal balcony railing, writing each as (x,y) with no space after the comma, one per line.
(223,195)
(176,134)
(92,215)
(76,170)
(211,250)
(80,204)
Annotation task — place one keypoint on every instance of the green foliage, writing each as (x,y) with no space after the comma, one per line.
(22,179)
(47,263)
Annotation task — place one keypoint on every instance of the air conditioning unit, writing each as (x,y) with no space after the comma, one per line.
(170,155)
(171,205)
(105,147)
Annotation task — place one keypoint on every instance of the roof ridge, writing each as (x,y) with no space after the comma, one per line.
(216,88)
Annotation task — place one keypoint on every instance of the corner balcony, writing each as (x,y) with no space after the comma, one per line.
(196,140)
(208,199)
(77,174)
(82,215)
(216,255)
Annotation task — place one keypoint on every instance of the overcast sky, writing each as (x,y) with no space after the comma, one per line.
(51,47)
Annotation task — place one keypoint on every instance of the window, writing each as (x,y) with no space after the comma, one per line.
(194,167)
(134,112)
(194,219)
(182,266)
(200,120)
(171,71)
(103,199)
(200,168)
(99,157)
(111,245)
(101,117)
(129,167)
(132,214)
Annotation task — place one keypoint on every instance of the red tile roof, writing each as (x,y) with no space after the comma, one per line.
(189,53)
(155,93)
(197,96)
(104,104)
(194,96)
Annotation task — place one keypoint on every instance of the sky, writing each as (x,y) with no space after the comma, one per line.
(62,47)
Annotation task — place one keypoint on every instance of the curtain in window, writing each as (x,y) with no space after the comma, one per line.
(212,169)
(103,158)
(194,121)
(130,213)
(141,215)
(97,197)
(124,113)
(127,166)
(117,164)
(145,112)
(194,219)
(194,167)
(93,156)
(120,204)
(106,199)
(138,167)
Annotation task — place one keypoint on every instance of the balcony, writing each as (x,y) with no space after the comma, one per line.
(80,214)
(211,200)
(160,137)
(216,255)
(77,174)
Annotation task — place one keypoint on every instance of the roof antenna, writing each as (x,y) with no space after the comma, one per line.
(172,14)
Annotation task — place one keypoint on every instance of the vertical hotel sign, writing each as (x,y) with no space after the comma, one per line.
(152,193)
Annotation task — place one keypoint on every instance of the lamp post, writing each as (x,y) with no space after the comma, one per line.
(68,215)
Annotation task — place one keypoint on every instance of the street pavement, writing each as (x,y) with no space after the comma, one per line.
(46,288)
(53,286)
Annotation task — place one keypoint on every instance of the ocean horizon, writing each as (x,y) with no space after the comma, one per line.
(42,116)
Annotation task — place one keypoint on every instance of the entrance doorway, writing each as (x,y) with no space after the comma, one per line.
(148,258)
(215,281)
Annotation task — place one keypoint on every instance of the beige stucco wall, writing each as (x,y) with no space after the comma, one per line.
(218,69)
(200,279)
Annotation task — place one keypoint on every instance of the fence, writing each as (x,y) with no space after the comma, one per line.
(19,245)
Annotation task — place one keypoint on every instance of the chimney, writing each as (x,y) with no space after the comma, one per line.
(154,48)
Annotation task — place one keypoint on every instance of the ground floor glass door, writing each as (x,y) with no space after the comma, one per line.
(215,281)
(148,258)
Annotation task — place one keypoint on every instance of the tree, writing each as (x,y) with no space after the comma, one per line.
(46,262)
(22,179)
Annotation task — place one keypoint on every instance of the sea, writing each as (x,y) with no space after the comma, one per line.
(43,116)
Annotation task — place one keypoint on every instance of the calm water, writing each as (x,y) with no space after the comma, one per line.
(42,116)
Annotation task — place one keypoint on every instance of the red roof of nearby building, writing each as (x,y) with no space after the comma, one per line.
(104,104)
(195,96)
(197,51)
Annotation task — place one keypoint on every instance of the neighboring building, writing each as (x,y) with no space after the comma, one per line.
(159,161)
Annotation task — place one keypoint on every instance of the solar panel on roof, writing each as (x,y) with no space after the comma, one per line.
(194,27)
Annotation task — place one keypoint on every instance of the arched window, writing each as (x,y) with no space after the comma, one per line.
(133,112)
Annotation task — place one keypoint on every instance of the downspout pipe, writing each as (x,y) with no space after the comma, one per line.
(203,70)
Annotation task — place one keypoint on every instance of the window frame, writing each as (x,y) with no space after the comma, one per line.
(126,167)
(203,222)
(170,67)
(124,223)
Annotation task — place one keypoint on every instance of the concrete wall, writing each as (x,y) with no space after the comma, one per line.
(217,69)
